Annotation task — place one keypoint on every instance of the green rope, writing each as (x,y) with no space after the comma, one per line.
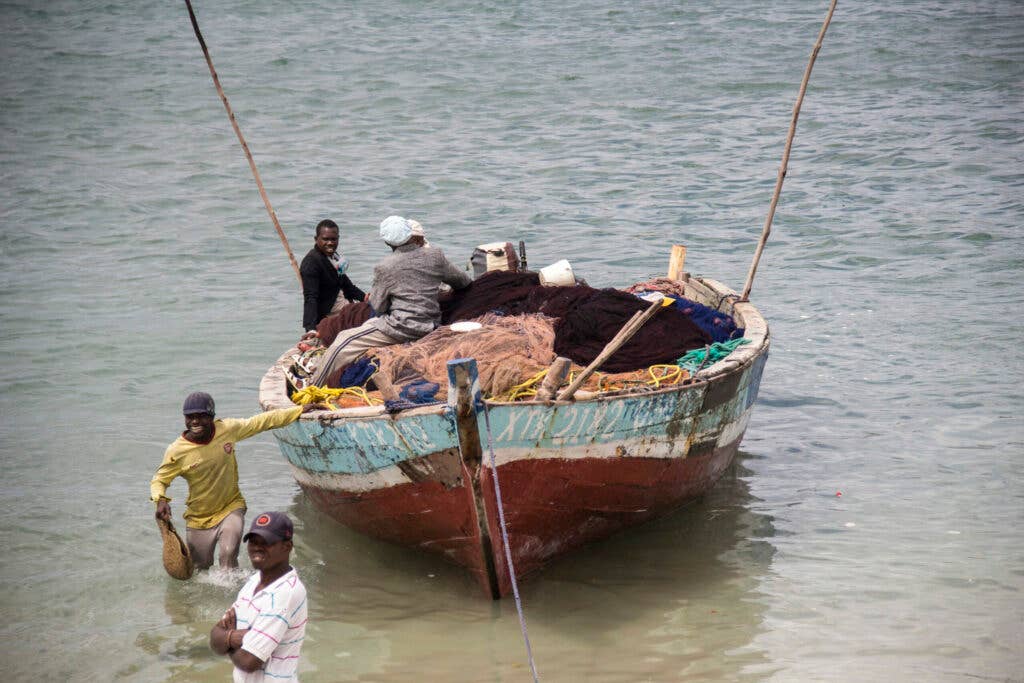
(699,358)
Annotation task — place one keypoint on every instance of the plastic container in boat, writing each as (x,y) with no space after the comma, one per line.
(558,274)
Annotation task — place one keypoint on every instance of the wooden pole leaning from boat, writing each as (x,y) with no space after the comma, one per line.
(241,139)
(624,335)
(785,157)
(463,392)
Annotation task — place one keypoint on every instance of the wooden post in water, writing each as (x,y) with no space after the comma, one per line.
(463,398)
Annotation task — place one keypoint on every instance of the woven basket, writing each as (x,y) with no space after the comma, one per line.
(177,558)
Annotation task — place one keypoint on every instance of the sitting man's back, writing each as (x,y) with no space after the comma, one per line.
(405,288)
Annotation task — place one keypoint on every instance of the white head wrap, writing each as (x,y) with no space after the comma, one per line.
(395,230)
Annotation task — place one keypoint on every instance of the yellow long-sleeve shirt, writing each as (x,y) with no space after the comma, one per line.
(211,469)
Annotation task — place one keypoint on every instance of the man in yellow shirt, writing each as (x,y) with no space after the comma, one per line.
(204,455)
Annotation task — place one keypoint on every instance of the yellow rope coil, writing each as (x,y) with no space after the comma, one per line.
(660,375)
(313,394)
(523,389)
(671,374)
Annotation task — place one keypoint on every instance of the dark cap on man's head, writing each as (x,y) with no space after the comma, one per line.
(198,402)
(271,527)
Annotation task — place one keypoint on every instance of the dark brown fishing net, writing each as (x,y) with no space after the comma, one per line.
(508,293)
(350,315)
(588,319)
(585,330)
(498,291)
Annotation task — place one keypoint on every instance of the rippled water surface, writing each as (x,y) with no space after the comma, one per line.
(137,263)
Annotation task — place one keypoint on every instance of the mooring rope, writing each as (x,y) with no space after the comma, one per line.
(508,550)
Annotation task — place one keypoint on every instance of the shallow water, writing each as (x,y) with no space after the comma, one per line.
(137,263)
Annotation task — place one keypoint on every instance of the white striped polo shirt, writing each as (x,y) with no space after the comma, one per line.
(276,619)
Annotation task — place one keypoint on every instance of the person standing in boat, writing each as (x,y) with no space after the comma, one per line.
(262,632)
(403,296)
(204,455)
(325,286)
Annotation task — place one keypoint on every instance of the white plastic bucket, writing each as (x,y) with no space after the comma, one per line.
(558,274)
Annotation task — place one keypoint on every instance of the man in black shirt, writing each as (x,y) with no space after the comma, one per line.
(323,277)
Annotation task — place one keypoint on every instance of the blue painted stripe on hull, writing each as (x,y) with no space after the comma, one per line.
(365,445)
(371,444)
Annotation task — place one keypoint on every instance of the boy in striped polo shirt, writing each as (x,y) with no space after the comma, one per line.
(262,631)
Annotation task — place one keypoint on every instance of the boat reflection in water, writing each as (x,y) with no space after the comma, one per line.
(678,598)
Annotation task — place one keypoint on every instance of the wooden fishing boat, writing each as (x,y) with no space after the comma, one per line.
(567,472)
(572,471)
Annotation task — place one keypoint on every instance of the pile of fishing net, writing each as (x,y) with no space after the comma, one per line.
(587,319)
(513,354)
(719,326)
(523,327)
(507,349)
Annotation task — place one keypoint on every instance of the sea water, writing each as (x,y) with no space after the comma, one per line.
(871,527)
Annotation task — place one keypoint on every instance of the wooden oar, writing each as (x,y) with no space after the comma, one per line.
(624,335)
(245,147)
(785,158)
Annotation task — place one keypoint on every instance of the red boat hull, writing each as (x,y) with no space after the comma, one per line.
(551,506)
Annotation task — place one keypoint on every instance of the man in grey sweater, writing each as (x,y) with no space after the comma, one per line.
(403,297)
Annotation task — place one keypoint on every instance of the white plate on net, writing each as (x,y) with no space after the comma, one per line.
(465,326)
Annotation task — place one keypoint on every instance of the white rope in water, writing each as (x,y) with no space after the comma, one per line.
(508,551)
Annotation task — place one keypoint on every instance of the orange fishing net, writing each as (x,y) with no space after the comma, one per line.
(665,285)
(507,349)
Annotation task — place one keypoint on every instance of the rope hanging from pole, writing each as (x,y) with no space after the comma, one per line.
(508,549)
(241,139)
(785,157)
